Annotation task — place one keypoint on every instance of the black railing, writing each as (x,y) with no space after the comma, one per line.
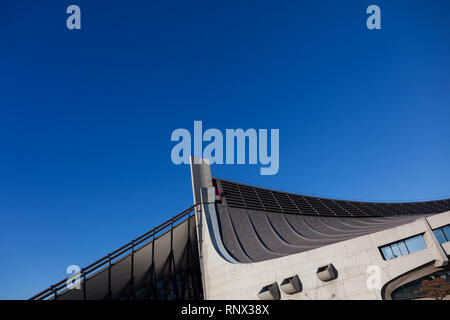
(109,259)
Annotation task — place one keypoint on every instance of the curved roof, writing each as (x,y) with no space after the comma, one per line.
(254,198)
(259,224)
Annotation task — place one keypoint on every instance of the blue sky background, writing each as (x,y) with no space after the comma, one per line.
(86,116)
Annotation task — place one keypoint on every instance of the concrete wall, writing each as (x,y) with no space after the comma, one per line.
(225,279)
(351,258)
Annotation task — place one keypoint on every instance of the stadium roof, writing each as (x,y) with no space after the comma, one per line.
(258,224)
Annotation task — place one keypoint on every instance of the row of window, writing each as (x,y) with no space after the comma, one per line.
(403,247)
(413,244)
(442,234)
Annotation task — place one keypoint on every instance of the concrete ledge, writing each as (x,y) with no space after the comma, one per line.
(439,220)
(446,247)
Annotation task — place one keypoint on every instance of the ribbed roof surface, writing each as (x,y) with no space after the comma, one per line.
(243,196)
(258,224)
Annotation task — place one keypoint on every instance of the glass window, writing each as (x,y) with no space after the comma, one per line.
(439,234)
(387,253)
(410,290)
(415,244)
(447,232)
(396,250)
(442,234)
(402,247)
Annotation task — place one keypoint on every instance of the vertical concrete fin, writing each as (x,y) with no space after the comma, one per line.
(439,255)
(200,176)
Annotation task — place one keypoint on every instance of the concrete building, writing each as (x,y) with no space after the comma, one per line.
(244,242)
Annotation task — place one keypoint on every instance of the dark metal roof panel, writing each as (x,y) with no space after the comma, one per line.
(258,224)
(248,197)
(252,236)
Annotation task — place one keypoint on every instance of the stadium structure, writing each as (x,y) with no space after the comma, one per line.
(244,242)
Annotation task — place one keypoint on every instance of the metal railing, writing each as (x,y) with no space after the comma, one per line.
(131,246)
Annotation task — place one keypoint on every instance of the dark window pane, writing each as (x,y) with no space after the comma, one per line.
(387,253)
(415,244)
(401,294)
(409,290)
(439,234)
(447,232)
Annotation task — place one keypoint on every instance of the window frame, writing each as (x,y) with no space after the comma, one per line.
(400,244)
(442,230)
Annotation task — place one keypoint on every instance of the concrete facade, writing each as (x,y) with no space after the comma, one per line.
(358,261)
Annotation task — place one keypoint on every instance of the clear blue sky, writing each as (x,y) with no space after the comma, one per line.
(86,116)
